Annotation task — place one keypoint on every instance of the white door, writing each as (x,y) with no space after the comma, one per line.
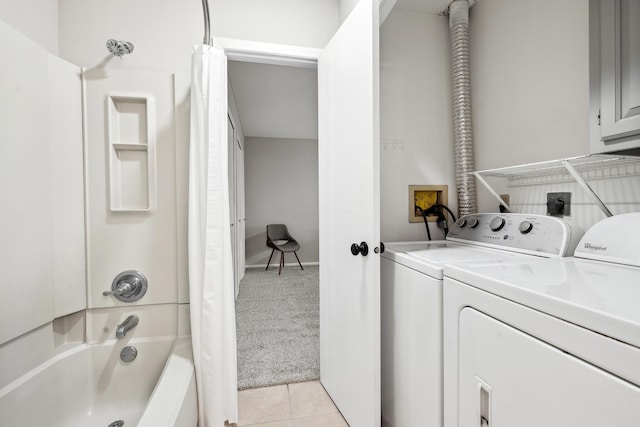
(348,155)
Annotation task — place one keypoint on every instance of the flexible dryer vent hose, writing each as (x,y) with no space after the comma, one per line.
(462,127)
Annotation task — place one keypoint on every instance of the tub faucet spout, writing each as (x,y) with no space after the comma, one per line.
(128,324)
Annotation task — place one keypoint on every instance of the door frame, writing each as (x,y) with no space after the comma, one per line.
(268,53)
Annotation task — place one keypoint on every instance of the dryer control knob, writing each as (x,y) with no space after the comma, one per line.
(496,224)
(474,223)
(525,227)
(462,222)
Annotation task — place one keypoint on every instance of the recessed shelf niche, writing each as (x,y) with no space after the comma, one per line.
(132,152)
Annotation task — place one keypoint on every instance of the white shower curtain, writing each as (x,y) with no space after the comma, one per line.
(211,284)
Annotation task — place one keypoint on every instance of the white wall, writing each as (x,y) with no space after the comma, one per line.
(164,31)
(281,182)
(415,117)
(36,19)
(530,87)
(530,83)
(42,256)
(309,23)
(346,6)
(119,237)
(530,80)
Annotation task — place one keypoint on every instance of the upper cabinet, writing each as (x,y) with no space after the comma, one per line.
(615,67)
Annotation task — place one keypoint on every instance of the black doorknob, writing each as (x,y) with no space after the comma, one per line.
(379,250)
(362,248)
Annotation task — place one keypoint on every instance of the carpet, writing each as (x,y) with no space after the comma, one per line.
(277,327)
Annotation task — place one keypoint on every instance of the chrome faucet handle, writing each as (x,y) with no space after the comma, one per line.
(123,288)
(128,286)
(115,293)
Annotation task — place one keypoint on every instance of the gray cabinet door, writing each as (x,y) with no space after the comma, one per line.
(620,72)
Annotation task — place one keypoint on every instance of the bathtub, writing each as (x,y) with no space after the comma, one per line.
(90,386)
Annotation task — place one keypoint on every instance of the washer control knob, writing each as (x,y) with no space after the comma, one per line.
(525,227)
(462,222)
(474,223)
(496,224)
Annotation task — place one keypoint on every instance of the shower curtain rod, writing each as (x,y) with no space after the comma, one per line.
(205,10)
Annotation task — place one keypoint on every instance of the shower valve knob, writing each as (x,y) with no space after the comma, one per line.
(128,286)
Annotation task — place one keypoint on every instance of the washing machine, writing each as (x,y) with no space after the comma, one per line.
(547,342)
(411,302)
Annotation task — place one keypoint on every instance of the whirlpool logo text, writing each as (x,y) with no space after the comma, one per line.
(593,247)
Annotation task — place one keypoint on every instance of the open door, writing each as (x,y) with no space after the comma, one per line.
(349,157)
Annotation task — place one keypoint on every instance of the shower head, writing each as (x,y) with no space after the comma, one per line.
(119,48)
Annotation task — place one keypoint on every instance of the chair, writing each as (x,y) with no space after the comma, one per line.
(279,239)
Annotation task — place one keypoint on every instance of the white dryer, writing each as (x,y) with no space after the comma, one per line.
(411,302)
(549,342)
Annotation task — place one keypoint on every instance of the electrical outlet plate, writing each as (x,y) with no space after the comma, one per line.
(559,204)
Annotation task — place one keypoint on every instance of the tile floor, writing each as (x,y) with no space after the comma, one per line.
(291,405)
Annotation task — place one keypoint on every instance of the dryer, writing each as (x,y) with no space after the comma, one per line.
(411,302)
(547,342)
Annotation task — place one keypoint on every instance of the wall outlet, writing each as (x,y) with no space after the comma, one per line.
(505,198)
(559,204)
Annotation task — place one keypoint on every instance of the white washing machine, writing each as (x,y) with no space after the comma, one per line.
(553,343)
(411,302)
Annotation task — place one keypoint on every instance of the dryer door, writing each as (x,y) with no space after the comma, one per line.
(508,378)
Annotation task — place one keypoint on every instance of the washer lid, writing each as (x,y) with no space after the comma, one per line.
(430,257)
(602,297)
(614,239)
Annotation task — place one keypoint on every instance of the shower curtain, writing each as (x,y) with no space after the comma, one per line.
(211,284)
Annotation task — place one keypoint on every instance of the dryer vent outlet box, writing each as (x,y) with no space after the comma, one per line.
(559,204)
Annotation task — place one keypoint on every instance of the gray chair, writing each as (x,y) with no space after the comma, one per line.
(279,239)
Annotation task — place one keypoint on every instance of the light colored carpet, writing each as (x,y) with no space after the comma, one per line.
(277,324)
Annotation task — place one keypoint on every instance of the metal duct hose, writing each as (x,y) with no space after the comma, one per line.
(462,128)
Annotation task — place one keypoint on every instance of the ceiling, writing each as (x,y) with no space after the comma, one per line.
(275,101)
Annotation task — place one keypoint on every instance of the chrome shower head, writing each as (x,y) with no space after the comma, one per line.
(119,48)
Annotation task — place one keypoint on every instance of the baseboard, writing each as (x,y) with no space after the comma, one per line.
(286,264)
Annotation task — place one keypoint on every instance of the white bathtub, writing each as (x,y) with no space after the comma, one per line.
(90,386)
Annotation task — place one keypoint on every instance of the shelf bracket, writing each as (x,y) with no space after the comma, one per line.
(486,185)
(578,178)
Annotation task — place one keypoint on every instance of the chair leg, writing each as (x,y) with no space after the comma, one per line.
(298,260)
(269,262)
(281,262)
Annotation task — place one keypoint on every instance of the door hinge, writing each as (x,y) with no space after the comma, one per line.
(598,117)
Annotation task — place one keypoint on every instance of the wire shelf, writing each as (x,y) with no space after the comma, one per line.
(593,166)
(580,169)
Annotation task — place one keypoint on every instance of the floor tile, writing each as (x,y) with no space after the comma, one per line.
(279,423)
(310,398)
(263,404)
(325,420)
